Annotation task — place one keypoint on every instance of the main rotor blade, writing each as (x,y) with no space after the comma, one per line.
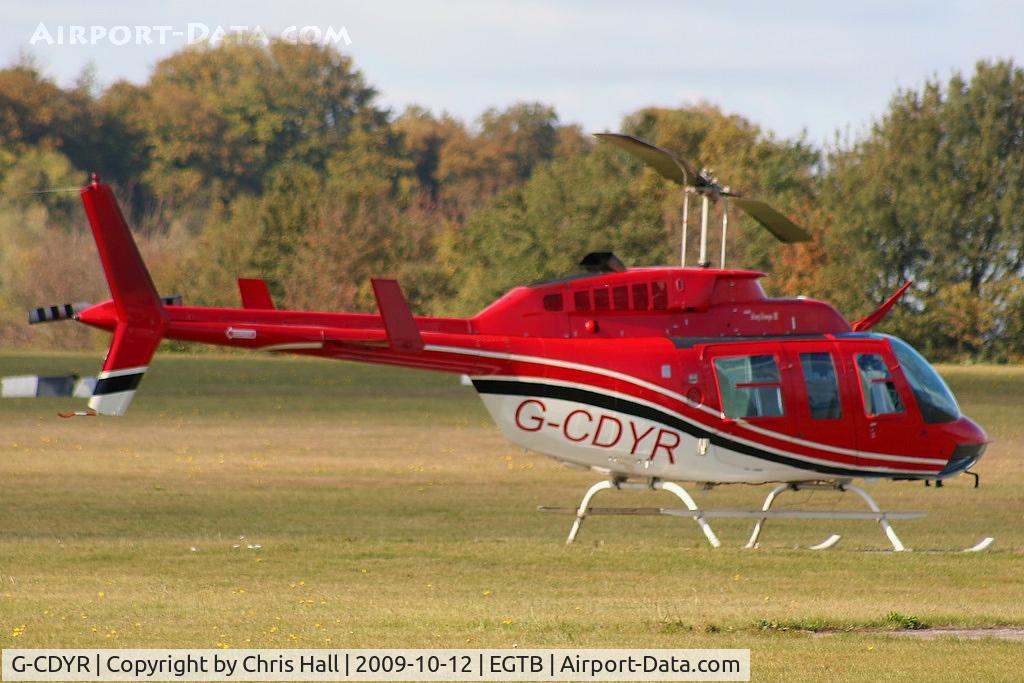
(664,162)
(784,229)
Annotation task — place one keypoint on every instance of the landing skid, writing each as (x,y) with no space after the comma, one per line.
(882,517)
(584,508)
(701,516)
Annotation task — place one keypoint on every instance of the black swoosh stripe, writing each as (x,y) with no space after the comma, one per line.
(112,385)
(516,388)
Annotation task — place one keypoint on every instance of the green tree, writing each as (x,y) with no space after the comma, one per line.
(288,210)
(933,195)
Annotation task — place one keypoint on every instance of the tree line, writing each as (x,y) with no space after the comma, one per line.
(279,162)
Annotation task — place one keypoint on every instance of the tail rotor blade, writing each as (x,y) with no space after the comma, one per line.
(784,229)
(49,314)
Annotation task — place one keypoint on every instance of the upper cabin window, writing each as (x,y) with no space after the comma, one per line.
(877,387)
(620,298)
(750,386)
(659,295)
(581,300)
(640,296)
(822,385)
(553,302)
(601,301)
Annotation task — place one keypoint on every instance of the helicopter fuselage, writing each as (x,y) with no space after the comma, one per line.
(688,374)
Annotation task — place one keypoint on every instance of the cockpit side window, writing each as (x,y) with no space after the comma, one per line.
(880,394)
(750,386)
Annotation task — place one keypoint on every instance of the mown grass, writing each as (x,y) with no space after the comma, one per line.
(390,512)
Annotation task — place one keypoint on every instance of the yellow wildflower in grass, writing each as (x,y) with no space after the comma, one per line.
(488,593)
(506,621)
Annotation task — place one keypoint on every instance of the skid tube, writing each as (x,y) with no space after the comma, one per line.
(882,517)
(654,484)
(761,516)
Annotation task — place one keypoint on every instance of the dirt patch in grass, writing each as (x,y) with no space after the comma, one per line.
(1014,633)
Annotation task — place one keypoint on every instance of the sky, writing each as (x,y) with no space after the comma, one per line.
(813,68)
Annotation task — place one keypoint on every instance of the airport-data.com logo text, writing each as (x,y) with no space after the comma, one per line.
(191,33)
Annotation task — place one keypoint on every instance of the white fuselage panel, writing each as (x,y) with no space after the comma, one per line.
(610,441)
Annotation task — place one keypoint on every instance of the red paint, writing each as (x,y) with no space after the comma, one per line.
(538,422)
(638,438)
(568,420)
(604,333)
(255,293)
(612,423)
(666,440)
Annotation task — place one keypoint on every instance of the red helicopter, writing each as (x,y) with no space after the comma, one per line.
(648,376)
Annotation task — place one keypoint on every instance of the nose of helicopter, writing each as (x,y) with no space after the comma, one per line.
(969,441)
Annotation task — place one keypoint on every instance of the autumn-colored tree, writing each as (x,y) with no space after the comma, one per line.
(219,119)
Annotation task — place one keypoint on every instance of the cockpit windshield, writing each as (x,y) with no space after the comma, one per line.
(933,396)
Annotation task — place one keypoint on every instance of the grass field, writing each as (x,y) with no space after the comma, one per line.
(391,513)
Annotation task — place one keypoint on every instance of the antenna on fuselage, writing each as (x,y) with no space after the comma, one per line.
(704,183)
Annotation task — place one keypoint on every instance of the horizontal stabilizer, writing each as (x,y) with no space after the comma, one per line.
(402,332)
(255,293)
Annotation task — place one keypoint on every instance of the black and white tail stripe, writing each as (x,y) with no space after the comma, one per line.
(46,314)
(115,389)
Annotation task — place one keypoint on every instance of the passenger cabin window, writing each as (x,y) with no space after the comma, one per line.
(601,299)
(822,385)
(581,300)
(750,386)
(877,387)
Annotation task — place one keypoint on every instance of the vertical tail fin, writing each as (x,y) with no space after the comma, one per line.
(140,314)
